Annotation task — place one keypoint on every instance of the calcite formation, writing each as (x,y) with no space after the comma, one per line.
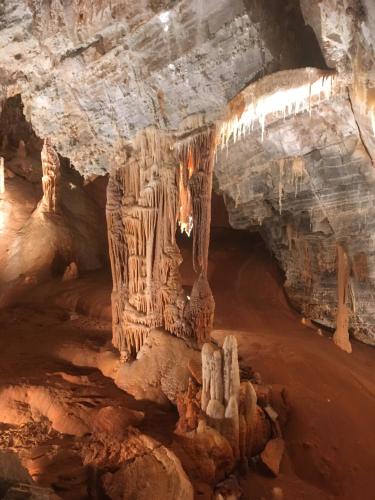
(143,207)
(341,336)
(231,406)
(221,425)
(93,73)
(308,186)
(50,178)
(197,161)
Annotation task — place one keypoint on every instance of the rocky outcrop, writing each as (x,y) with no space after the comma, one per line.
(307,187)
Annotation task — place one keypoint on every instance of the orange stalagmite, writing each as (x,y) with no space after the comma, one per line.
(341,336)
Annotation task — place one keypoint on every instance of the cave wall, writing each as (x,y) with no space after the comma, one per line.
(309,186)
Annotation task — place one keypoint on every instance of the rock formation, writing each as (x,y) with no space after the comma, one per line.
(141,216)
(341,336)
(50,178)
(272,104)
(230,405)
(223,417)
(145,193)
(68,64)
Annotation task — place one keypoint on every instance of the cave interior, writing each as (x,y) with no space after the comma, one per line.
(187,220)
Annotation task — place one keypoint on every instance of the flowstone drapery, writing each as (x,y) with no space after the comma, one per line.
(143,207)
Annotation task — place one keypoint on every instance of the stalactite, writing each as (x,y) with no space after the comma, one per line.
(150,191)
(341,335)
(281,176)
(197,156)
(285,93)
(2,176)
(298,172)
(50,178)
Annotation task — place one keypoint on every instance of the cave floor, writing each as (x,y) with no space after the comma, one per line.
(330,435)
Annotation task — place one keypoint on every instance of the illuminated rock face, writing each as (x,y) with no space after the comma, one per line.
(308,187)
(95,71)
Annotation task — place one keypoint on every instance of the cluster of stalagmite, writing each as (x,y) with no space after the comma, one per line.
(143,207)
(230,405)
(50,178)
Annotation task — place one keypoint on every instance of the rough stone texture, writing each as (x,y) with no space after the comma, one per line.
(156,473)
(309,185)
(345,31)
(90,72)
(160,371)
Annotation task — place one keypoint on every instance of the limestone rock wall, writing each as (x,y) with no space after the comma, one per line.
(91,72)
(307,187)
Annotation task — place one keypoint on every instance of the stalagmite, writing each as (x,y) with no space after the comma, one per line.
(2,176)
(51,174)
(341,335)
(231,406)
(197,157)
(21,151)
(249,409)
(207,354)
(231,369)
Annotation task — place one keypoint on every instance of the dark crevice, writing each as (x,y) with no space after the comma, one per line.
(283,31)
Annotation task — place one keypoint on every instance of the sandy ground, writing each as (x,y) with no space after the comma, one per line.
(330,435)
